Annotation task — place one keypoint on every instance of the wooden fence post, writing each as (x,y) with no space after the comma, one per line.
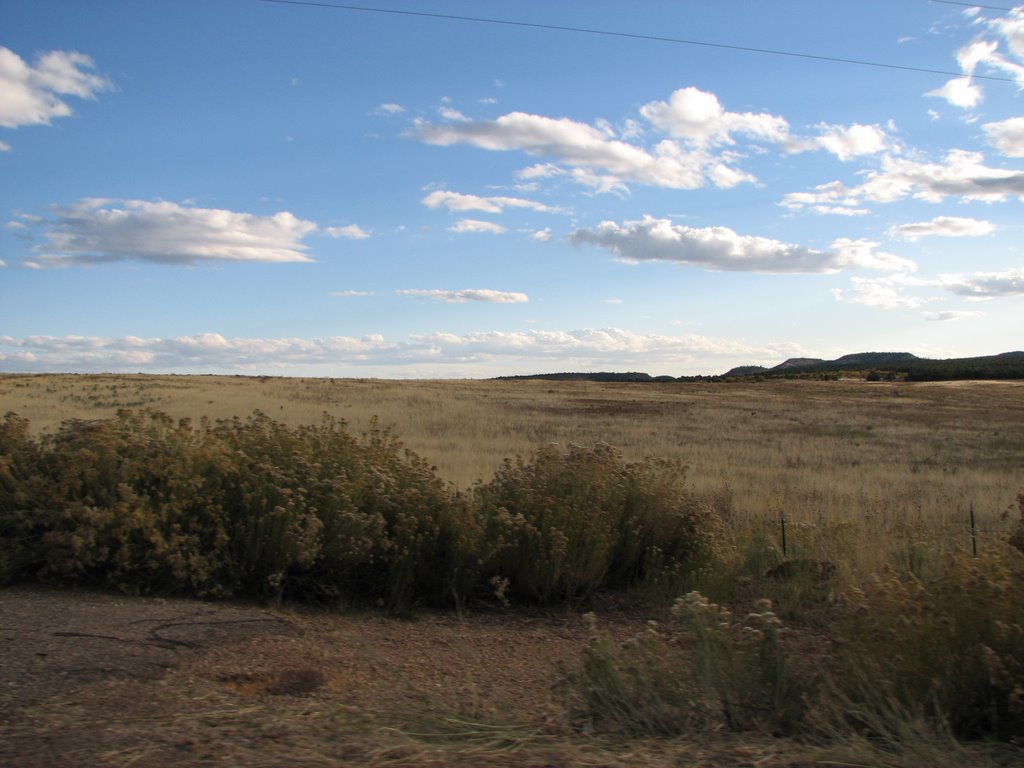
(782,523)
(974,532)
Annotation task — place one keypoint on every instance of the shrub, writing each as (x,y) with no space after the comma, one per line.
(565,524)
(249,507)
(950,648)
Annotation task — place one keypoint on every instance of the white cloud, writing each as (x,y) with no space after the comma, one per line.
(351,232)
(698,117)
(431,354)
(542,235)
(962,174)
(575,144)
(1011,28)
(203,352)
(604,159)
(4,146)
(960,92)
(96,230)
(456,201)
(831,198)
(350,294)
(449,113)
(34,94)
(982,52)
(463,226)
(985,285)
(942,226)
(2,263)
(950,314)
(467,295)
(389,109)
(1007,136)
(847,142)
(881,292)
(722,249)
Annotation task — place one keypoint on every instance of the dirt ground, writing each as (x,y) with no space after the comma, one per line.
(89,678)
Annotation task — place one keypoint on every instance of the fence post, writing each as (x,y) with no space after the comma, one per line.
(782,523)
(974,533)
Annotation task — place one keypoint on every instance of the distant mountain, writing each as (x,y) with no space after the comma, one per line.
(894,365)
(873,366)
(798,362)
(745,370)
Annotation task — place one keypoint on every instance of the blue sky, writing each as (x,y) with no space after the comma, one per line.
(242,186)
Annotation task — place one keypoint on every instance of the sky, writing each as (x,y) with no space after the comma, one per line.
(303,189)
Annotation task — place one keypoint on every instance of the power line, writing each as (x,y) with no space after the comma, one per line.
(972,5)
(633,36)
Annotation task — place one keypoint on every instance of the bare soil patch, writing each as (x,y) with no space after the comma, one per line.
(96,679)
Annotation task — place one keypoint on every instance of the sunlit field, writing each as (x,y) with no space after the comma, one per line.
(862,471)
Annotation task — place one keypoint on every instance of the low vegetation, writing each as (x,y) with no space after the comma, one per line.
(898,655)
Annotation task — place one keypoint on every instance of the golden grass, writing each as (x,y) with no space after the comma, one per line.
(872,472)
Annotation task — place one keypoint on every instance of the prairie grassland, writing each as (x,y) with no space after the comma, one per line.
(865,472)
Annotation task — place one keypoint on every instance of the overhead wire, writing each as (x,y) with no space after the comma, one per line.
(634,36)
(973,5)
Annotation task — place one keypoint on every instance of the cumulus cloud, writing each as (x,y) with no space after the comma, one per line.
(722,249)
(203,352)
(1011,28)
(426,354)
(698,117)
(350,232)
(962,174)
(575,144)
(96,230)
(960,92)
(833,198)
(942,226)
(542,235)
(467,295)
(455,201)
(448,113)
(984,52)
(881,292)
(35,94)
(850,141)
(1007,136)
(605,159)
(985,285)
(389,108)
(462,226)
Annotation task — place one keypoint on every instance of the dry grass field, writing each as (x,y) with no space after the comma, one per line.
(865,472)
(912,639)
